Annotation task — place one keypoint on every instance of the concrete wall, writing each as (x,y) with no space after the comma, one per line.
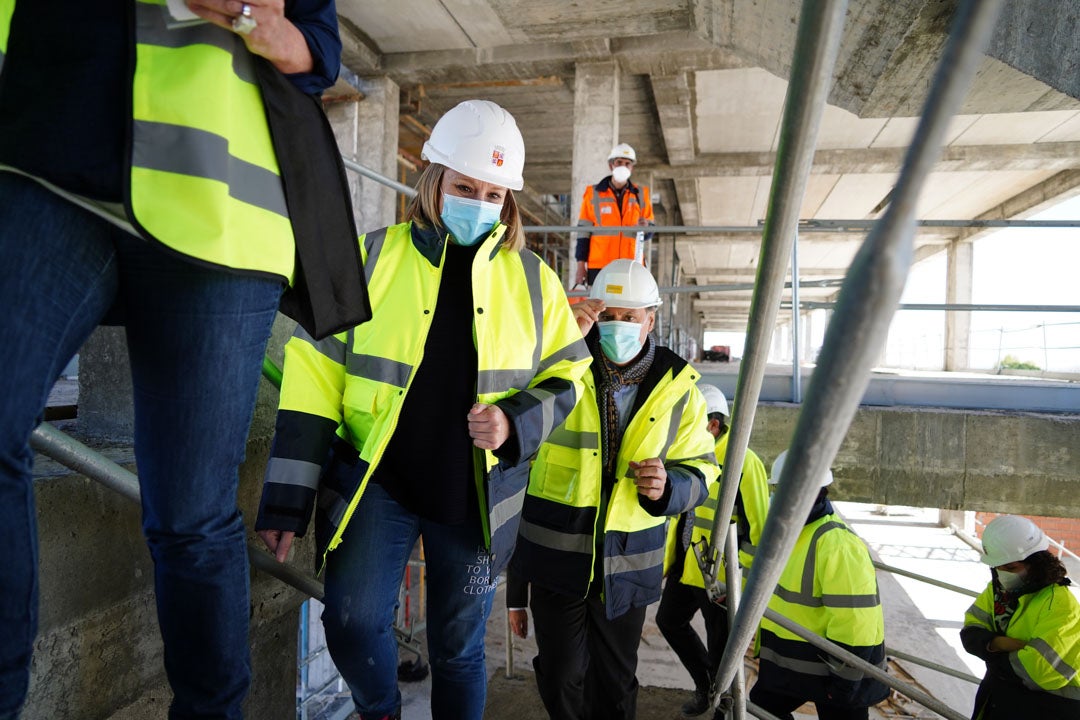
(1023,463)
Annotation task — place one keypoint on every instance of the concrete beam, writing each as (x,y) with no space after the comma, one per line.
(1041,38)
(954,158)
(672,96)
(1049,192)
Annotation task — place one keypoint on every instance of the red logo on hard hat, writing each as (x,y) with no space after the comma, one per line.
(498,156)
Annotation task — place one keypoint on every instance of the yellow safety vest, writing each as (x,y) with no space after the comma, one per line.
(754,491)
(1049,622)
(561,520)
(204,178)
(525,334)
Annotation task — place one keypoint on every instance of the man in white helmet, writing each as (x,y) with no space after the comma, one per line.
(633,452)
(684,591)
(615,201)
(829,587)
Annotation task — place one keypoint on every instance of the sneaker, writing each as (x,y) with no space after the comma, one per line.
(698,704)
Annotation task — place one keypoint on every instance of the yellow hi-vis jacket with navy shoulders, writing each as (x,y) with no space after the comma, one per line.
(563,523)
(203,178)
(1041,679)
(829,587)
(751,508)
(530,359)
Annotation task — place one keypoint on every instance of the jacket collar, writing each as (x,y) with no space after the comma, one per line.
(606,186)
(429,242)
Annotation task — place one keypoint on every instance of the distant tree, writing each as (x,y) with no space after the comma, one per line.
(1011,362)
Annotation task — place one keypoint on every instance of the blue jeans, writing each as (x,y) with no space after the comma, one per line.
(362,579)
(196,338)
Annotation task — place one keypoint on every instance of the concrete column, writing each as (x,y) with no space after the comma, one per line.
(596,130)
(365,124)
(106,409)
(958,282)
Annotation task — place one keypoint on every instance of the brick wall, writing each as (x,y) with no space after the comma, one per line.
(1063,530)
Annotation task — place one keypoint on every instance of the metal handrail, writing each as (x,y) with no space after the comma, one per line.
(805,226)
(923,578)
(367,172)
(867,302)
(945,669)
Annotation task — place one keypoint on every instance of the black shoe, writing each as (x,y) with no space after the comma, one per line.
(698,704)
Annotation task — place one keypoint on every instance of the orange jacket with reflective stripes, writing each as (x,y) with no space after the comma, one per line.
(600,209)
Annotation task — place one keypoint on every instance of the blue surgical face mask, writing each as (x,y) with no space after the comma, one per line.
(620,341)
(469,221)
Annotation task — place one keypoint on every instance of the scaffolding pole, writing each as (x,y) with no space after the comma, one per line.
(816,47)
(867,302)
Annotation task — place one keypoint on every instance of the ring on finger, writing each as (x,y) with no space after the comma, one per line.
(245,22)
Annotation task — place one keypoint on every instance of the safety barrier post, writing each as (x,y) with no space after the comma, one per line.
(867,302)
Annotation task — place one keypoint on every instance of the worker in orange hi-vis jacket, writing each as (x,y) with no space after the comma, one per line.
(615,201)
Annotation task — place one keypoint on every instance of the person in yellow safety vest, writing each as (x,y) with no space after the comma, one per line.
(1026,627)
(140,186)
(612,202)
(433,409)
(684,590)
(829,587)
(632,453)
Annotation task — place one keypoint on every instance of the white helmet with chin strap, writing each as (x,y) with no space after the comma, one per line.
(480,139)
(622,150)
(778,467)
(625,284)
(1011,538)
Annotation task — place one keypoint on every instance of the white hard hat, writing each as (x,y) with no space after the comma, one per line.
(778,467)
(715,402)
(625,284)
(622,150)
(480,139)
(1010,538)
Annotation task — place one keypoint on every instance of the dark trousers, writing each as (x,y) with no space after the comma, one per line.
(586,666)
(678,605)
(781,706)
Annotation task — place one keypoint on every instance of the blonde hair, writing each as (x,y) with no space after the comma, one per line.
(424,208)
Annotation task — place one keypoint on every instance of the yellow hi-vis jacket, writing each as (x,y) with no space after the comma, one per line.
(563,522)
(530,359)
(751,508)
(1041,677)
(203,175)
(829,587)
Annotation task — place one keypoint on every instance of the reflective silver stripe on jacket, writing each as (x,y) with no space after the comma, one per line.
(330,347)
(981,615)
(674,422)
(805,667)
(383,370)
(507,510)
(198,153)
(575,351)
(633,563)
(333,505)
(152,30)
(1048,654)
(494,381)
(574,439)
(530,262)
(373,245)
(555,539)
(287,471)
(805,596)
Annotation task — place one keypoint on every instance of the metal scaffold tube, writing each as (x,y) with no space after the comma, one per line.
(867,302)
(816,47)
(944,669)
(379,178)
(90,463)
(922,578)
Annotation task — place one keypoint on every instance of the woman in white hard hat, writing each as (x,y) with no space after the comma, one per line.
(1026,627)
(828,586)
(432,410)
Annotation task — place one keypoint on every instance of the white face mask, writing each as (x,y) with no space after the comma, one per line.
(1011,581)
(620,174)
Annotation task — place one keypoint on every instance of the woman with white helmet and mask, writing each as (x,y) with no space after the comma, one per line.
(1026,627)
(430,413)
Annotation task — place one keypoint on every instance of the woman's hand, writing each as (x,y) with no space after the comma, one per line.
(587,313)
(274,36)
(489,427)
(650,476)
(278,542)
